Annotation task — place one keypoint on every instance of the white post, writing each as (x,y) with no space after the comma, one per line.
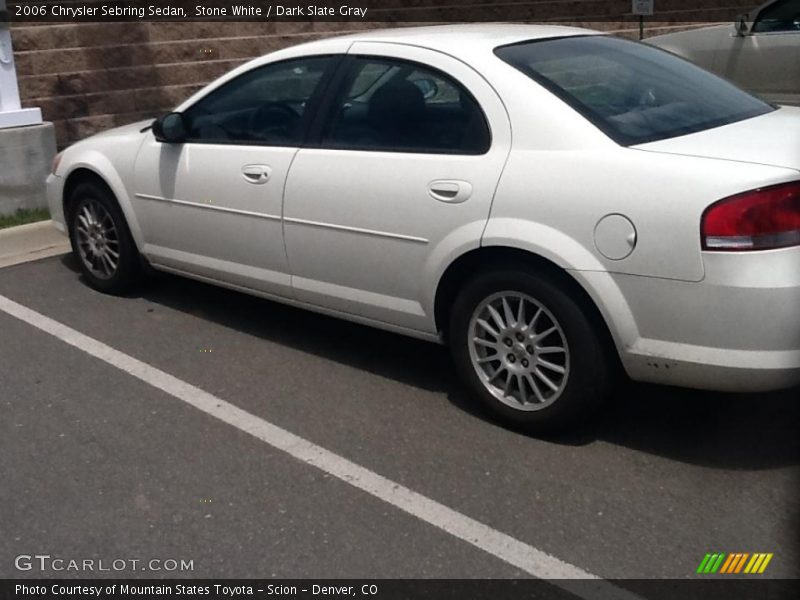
(11,112)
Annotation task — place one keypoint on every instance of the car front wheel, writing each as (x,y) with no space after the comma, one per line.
(101,240)
(528,351)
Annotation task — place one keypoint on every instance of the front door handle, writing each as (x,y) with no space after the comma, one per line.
(452,191)
(257,174)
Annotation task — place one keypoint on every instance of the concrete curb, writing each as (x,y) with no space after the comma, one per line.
(33,241)
(26,154)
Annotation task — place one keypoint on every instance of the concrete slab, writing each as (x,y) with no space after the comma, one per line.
(31,242)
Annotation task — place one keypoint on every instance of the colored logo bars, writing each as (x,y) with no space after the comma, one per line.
(738,562)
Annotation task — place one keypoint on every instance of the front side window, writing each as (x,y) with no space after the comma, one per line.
(398,106)
(264,106)
(633,92)
(783,15)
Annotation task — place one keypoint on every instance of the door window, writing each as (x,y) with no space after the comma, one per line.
(398,106)
(783,15)
(265,106)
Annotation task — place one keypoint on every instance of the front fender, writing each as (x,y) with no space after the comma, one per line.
(99,164)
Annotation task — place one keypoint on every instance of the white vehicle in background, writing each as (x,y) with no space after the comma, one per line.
(550,202)
(760,51)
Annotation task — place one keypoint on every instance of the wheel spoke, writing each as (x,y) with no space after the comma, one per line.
(489,329)
(93,213)
(485,343)
(535,387)
(545,379)
(507,387)
(540,336)
(521,312)
(499,370)
(550,350)
(488,359)
(521,386)
(496,317)
(507,312)
(532,324)
(108,266)
(551,366)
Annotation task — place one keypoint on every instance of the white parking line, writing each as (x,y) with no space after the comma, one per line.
(511,550)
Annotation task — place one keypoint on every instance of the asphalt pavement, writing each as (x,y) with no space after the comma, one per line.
(97,463)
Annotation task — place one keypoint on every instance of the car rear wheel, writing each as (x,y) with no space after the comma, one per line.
(528,351)
(101,240)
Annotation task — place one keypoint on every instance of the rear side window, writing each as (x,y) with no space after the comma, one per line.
(397,106)
(633,92)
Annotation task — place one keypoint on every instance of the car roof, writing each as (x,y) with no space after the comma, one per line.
(452,38)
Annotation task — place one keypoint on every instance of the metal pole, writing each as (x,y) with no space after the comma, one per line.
(641,27)
(9,92)
(11,112)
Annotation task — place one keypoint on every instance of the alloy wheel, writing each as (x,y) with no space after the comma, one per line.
(97,239)
(519,351)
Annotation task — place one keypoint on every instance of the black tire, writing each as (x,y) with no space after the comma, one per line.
(588,364)
(128,271)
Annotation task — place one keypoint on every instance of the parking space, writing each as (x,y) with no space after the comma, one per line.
(98,463)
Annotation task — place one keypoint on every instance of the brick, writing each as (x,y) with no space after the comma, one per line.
(162,99)
(168,30)
(43,38)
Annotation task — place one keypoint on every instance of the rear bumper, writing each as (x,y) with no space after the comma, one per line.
(737,330)
(710,368)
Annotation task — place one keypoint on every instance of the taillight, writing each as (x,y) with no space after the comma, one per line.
(756,220)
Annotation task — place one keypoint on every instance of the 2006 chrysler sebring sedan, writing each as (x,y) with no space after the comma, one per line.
(549,201)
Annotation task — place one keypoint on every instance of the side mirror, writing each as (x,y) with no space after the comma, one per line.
(171,128)
(741,25)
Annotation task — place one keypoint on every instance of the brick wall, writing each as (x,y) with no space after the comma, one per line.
(92,76)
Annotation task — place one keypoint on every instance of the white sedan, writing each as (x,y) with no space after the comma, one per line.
(551,202)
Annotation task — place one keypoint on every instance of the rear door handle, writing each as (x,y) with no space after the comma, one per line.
(257,174)
(452,191)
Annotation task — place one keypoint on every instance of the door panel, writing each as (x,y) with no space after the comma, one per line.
(212,205)
(361,225)
(201,213)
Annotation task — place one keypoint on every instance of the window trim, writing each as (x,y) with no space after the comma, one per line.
(337,88)
(309,114)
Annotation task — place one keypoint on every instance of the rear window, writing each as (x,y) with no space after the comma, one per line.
(633,92)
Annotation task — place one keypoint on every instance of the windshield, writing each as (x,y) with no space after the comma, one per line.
(633,92)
